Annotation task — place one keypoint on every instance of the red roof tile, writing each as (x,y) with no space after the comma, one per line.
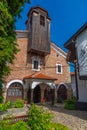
(39,76)
(72,73)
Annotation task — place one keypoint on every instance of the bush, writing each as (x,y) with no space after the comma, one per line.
(1,99)
(70,103)
(6,125)
(1,107)
(39,119)
(59,100)
(21,125)
(4,107)
(55,126)
(18,104)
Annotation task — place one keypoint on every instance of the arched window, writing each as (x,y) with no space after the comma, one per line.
(15,91)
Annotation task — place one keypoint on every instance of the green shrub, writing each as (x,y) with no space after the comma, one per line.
(39,119)
(1,99)
(6,125)
(70,103)
(21,125)
(4,107)
(55,126)
(1,107)
(18,103)
(59,100)
(70,106)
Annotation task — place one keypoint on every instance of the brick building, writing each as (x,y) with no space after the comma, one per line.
(40,69)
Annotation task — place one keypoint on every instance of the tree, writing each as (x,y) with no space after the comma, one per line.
(9,11)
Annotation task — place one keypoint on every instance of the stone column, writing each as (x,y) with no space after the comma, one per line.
(25,89)
(42,93)
(55,95)
(32,95)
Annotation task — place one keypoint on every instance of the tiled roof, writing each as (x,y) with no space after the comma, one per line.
(39,76)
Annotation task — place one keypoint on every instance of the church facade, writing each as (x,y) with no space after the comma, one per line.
(40,69)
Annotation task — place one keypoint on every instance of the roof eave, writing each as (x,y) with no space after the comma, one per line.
(69,42)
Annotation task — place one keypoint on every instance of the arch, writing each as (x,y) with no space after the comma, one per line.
(12,81)
(14,90)
(49,93)
(37,94)
(62,91)
(62,83)
(35,83)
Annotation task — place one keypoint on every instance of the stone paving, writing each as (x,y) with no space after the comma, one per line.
(75,120)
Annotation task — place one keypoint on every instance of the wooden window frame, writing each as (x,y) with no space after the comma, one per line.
(57,69)
(35,69)
(42,20)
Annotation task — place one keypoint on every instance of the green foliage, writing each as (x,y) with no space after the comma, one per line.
(70,103)
(1,93)
(39,119)
(21,125)
(1,99)
(6,125)
(9,11)
(4,107)
(18,103)
(59,100)
(55,126)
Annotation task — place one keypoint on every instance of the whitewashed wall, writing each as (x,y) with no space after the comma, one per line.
(81,45)
(82,90)
(73,85)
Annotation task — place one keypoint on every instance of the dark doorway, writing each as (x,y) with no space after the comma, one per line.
(29,95)
(62,92)
(37,94)
(47,94)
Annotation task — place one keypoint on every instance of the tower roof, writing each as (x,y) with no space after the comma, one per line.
(36,8)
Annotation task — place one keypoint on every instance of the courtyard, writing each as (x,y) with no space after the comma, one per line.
(74,119)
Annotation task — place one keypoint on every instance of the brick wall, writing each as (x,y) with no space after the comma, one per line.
(23,64)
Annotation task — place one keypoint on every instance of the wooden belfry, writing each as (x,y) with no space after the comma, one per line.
(38,24)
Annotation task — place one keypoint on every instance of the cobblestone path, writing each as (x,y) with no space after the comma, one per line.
(74,119)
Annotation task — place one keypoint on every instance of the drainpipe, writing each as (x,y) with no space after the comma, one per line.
(76,79)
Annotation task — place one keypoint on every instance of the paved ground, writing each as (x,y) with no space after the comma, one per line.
(75,120)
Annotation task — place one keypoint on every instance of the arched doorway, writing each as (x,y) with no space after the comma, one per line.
(37,94)
(62,92)
(49,94)
(15,91)
(29,95)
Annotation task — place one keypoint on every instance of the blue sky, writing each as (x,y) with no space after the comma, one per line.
(67,17)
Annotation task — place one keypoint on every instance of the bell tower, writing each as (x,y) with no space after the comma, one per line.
(38,24)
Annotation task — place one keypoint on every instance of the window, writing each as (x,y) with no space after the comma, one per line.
(42,20)
(36,64)
(15,89)
(58,68)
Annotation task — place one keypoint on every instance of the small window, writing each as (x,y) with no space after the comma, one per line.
(58,68)
(42,20)
(35,65)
